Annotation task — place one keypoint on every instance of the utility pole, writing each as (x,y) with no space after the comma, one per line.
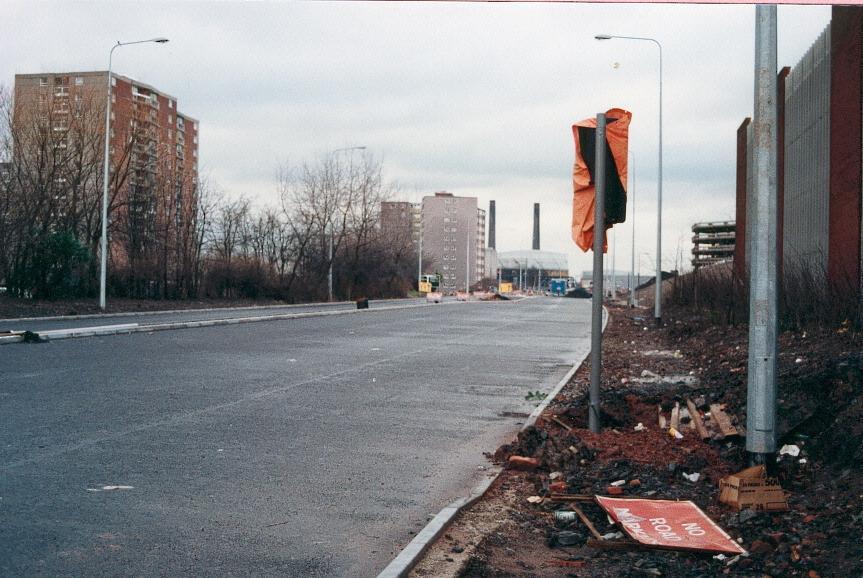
(467,263)
(598,238)
(613,270)
(420,253)
(632,282)
(761,381)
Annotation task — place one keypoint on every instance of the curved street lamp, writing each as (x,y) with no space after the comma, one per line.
(103,274)
(657,307)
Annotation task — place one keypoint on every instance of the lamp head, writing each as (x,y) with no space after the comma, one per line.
(160,40)
(603,37)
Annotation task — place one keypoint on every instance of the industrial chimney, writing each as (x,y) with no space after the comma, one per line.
(536,226)
(491,239)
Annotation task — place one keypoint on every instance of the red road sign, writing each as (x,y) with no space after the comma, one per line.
(669,524)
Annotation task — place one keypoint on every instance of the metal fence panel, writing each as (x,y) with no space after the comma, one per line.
(807,161)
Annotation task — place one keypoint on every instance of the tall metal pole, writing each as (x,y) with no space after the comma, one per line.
(657,307)
(613,270)
(330,270)
(632,282)
(420,252)
(103,272)
(598,238)
(761,382)
(467,262)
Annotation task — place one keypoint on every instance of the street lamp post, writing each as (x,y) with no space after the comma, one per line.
(632,264)
(420,251)
(657,306)
(330,252)
(103,274)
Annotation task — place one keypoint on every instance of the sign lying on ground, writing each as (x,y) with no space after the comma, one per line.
(669,524)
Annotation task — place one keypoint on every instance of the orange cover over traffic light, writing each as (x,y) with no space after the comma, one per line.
(584,191)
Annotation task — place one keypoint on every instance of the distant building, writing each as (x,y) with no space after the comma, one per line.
(619,279)
(453,234)
(153,146)
(401,220)
(532,269)
(452,230)
(712,243)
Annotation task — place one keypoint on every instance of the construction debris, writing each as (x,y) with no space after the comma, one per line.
(522,463)
(696,420)
(819,414)
(669,524)
(751,488)
(722,421)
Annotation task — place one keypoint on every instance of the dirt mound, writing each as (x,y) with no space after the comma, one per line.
(646,371)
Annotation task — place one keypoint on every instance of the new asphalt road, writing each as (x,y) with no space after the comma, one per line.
(303,447)
(156,317)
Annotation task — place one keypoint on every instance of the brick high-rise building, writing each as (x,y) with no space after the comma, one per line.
(454,234)
(153,147)
(400,220)
(450,227)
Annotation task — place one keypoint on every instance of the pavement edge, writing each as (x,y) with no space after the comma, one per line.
(402,564)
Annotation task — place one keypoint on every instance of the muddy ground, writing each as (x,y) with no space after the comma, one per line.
(820,411)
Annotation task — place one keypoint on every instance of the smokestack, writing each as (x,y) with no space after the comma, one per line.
(491,240)
(536,226)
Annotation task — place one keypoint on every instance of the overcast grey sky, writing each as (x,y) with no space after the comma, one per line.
(473,98)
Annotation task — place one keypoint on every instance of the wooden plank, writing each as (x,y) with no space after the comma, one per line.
(675,416)
(615,545)
(571,498)
(586,521)
(696,420)
(560,423)
(723,421)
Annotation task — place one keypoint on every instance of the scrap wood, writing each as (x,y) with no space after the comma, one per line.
(571,498)
(696,420)
(675,416)
(557,420)
(565,563)
(615,545)
(662,422)
(723,421)
(586,521)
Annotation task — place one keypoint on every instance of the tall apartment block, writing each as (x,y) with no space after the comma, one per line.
(153,147)
(401,220)
(453,232)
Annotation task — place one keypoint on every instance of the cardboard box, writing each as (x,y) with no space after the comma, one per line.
(751,488)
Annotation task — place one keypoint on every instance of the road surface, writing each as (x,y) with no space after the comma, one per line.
(304,447)
(154,317)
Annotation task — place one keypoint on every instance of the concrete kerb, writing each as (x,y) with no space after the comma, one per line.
(170,311)
(56,334)
(411,554)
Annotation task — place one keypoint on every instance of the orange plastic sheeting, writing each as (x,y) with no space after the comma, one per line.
(669,524)
(584,193)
